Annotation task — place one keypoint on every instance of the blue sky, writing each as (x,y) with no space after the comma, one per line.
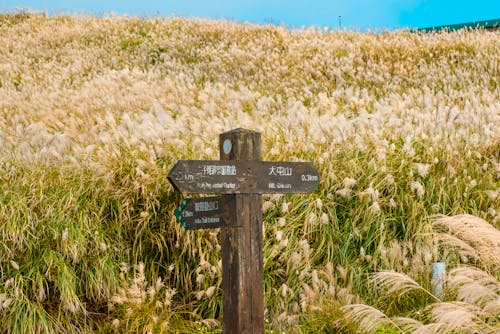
(355,14)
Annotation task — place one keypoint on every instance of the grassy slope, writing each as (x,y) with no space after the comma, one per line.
(95,111)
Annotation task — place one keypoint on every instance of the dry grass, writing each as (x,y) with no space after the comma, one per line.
(367,319)
(94,112)
(473,236)
(432,328)
(399,284)
(461,317)
(472,295)
(475,309)
(476,287)
(408,325)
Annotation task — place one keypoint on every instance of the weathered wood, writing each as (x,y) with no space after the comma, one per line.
(242,264)
(243,177)
(206,212)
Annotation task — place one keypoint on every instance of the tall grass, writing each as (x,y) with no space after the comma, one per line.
(404,128)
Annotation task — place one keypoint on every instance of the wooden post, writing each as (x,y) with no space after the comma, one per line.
(241,242)
(241,177)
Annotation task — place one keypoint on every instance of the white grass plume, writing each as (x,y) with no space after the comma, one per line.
(460,317)
(476,232)
(367,318)
(432,328)
(463,249)
(408,325)
(476,287)
(394,283)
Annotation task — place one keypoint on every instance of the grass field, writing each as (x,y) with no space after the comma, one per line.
(403,127)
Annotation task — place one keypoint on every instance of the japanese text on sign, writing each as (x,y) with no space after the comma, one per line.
(206,206)
(207,220)
(219,170)
(280,170)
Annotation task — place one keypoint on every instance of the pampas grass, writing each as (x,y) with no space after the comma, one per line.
(472,295)
(398,284)
(95,111)
(457,316)
(474,310)
(475,286)
(473,235)
(367,318)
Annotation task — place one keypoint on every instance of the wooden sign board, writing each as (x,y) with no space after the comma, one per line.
(243,177)
(206,212)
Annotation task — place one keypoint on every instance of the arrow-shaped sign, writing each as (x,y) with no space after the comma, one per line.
(243,177)
(206,212)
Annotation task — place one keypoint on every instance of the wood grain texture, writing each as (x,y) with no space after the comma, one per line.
(243,177)
(207,212)
(242,247)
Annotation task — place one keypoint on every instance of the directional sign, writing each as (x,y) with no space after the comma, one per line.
(206,212)
(239,171)
(243,177)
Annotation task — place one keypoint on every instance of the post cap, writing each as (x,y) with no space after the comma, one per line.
(239,131)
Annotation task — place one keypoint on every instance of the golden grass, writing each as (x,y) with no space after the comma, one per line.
(94,112)
(476,287)
(457,316)
(367,318)
(473,235)
(475,309)
(398,284)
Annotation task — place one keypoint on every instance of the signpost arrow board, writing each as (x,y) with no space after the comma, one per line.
(240,177)
(206,212)
(243,177)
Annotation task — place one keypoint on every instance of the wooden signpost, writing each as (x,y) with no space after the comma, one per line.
(206,212)
(241,177)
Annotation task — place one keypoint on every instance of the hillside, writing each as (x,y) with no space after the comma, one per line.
(404,128)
